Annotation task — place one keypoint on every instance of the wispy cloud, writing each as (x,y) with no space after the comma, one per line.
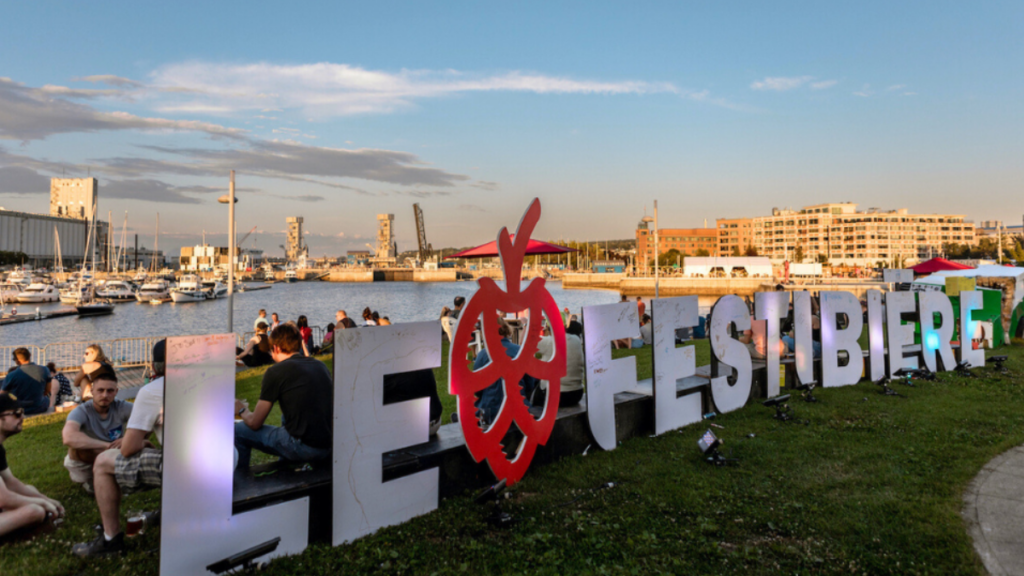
(34,113)
(484,185)
(471,208)
(327,89)
(780,83)
(895,87)
(21,180)
(824,84)
(864,92)
(110,80)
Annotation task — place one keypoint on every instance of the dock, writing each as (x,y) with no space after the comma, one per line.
(18,319)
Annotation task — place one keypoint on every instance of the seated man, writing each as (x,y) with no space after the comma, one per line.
(571,385)
(31,383)
(492,397)
(136,466)
(20,505)
(95,426)
(305,389)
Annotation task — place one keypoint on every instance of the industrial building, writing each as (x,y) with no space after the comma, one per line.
(385,253)
(206,258)
(73,197)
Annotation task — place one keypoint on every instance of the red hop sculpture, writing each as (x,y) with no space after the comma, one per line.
(486,304)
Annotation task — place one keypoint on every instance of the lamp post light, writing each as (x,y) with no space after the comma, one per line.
(230,200)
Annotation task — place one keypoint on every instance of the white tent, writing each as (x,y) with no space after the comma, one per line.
(729,265)
(939,278)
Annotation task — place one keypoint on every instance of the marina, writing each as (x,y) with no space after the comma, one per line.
(318,301)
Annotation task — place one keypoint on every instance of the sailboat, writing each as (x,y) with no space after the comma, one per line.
(89,305)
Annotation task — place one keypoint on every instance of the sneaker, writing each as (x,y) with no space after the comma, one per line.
(455,417)
(100,546)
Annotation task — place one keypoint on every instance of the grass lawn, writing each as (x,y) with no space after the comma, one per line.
(871,485)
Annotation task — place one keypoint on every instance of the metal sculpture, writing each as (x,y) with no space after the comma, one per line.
(485,306)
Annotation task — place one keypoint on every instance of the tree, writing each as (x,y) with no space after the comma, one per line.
(822,259)
(669,258)
(750,251)
(703,253)
(798,256)
(735,251)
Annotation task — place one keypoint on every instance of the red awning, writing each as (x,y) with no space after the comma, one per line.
(937,265)
(490,250)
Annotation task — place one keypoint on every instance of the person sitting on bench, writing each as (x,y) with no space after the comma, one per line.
(95,426)
(304,388)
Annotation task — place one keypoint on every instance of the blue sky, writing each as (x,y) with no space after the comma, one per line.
(337,112)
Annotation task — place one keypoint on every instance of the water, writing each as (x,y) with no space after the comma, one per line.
(399,301)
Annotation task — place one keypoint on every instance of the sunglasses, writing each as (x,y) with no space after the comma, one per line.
(16,413)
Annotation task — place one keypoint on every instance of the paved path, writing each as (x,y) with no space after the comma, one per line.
(994,512)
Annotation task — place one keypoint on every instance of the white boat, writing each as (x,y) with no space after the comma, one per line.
(9,291)
(154,290)
(291,276)
(214,289)
(76,293)
(20,276)
(140,277)
(117,290)
(189,289)
(39,293)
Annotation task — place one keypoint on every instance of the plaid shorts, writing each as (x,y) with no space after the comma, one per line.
(139,471)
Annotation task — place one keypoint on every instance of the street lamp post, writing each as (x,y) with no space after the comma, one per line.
(230,200)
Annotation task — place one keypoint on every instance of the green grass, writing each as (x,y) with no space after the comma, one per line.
(872,485)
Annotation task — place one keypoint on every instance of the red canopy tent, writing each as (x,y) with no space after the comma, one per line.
(937,265)
(490,250)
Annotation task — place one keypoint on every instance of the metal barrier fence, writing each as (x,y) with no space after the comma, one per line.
(122,352)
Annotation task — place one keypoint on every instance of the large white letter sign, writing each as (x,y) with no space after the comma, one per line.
(607,377)
(771,307)
(834,340)
(969,302)
(876,336)
(726,350)
(803,336)
(364,428)
(199,443)
(896,305)
(936,339)
(671,364)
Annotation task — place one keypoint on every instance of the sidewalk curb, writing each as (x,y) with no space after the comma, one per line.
(990,541)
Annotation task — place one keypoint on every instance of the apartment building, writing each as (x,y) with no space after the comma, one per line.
(844,235)
(688,241)
(735,235)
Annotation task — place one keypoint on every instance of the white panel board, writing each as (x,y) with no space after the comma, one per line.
(726,350)
(834,340)
(898,304)
(803,335)
(607,377)
(672,364)
(876,336)
(364,428)
(969,302)
(197,528)
(935,341)
(771,308)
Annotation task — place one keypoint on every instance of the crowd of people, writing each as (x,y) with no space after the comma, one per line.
(113,445)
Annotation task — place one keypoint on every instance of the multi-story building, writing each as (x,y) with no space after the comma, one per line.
(73,197)
(385,253)
(206,258)
(688,241)
(735,236)
(841,234)
(295,246)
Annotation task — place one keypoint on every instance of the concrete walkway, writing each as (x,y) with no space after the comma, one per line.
(994,512)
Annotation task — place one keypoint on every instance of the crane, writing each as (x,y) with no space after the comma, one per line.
(426,250)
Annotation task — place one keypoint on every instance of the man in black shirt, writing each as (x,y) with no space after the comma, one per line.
(20,505)
(304,388)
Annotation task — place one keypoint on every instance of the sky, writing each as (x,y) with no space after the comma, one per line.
(339,111)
